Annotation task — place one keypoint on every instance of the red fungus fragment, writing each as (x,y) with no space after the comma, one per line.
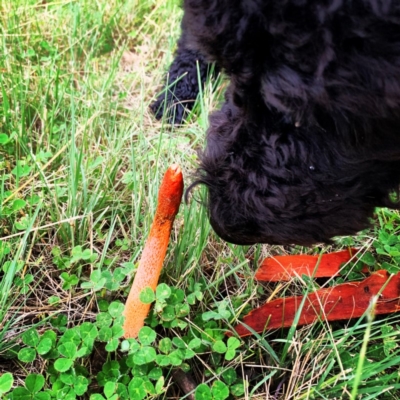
(150,264)
(284,268)
(341,302)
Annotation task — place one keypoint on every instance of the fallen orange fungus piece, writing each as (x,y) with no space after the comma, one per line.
(150,264)
(341,302)
(284,268)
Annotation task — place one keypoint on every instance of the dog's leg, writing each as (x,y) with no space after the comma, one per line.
(188,70)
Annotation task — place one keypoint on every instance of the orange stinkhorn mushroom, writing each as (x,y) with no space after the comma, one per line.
(341,302)
(283,268)
(150,264)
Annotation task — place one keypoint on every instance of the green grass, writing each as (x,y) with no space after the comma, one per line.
(81,160)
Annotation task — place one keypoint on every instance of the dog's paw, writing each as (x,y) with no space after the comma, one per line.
(187,74)
(173,109)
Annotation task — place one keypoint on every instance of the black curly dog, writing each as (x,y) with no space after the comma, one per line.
(307,143)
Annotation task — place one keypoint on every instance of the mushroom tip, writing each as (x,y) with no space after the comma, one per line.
(175,168)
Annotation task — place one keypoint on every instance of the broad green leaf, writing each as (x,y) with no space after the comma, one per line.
(391,268)
(119,320)
(178,342)
(88,331)
(42,396)
(149,387)
(223,310)
(162,360)
(109,388)
(112,345)
(105,334)
(77,251)
(27,354)
(95,276)
(22,223)
(69,280)
(136,389)
(230,354)
(6,382)
(82,352)
(191,299)
(18,204)
(4,138)
(129,267)
(208,315)
(31,337)
(368,259)
(141,371)
(147,295)
(96,162)
(103,320)
(112,368)
(20,393)
(28,279)
(115,309)
(63,364)
(194,343)
(147,335)
(52,300)
(86,254)
(16,266)
(155,373)
(220,347)
(159,387)
(110,283)
(177,296)
(59,321)
(117,331)
(68,350)
(145,355)
(163,291)
(67,378)
(233,343)
(125,346)
(21,170)
(165,345)
(80,385)
(66,393)
(71,336)
(168,313)
(199,295)
(119,274)
(103,305)
(237,389)
(44,345)
(122,391)
(176,358)
(34,382)
(97,282)
(134,346)
(229,376)
(182,310)
(203,392)
(188,353)
(219,390)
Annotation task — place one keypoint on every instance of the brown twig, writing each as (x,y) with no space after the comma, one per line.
(186,383)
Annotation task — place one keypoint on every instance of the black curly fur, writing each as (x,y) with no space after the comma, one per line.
(187,71)
(307,143)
